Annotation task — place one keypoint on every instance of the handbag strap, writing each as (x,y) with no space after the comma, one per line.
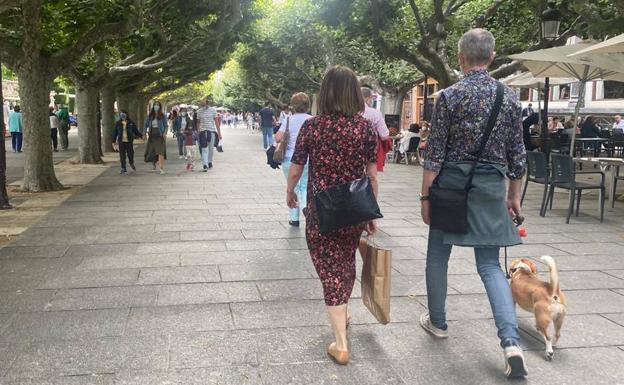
(500,93)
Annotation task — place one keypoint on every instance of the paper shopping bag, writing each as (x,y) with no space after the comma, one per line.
(376,280)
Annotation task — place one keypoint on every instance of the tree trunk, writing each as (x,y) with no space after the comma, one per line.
(86,105)
(4,196)
(34,91)
(107,94)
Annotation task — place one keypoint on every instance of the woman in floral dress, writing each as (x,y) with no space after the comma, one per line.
(341,147)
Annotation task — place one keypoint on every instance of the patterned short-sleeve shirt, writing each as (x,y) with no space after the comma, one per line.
(206,116)
(459,121)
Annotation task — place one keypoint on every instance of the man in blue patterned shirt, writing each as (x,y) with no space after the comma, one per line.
(457,128)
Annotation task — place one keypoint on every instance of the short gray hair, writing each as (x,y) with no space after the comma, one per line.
(477,46)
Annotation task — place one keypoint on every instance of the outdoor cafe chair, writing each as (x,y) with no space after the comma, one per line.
(537,173)
(616,145)
(412,150)
(564,177)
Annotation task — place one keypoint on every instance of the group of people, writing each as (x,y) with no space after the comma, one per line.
(200,130)
(340,145)
(59,126)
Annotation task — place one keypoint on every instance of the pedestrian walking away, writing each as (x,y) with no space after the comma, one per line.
(288,132)
(123,138)
(190,139)
(54,125)
(156,127)
(178,130)
(209,128)
(16,128)
(63,116)
(267,121)
(340,146)
(457,128)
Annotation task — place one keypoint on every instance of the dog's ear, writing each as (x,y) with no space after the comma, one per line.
(531,265)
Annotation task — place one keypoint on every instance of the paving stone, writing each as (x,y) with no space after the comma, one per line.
(294,289)
(183,274)
(8,354)
(594,262)
(87,379)
(33,251)
(368,372)
(251,225)
(210,235)
(580,331)
(412,285)
(104,298)
(267,314)
(599,248)
(180,247)
(618,318)
(86,356)
(213,349)
(198,293)
(417,266)
(594,301)
(615,273)
(258,244)
(101,250)
(129,261)
(252,271)
(65,325)
(182,227)
(25,301)
(239,375)
(91,279)
(179,319)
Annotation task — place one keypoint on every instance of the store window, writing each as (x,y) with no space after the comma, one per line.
(564,92)
(523,94)
(613,90)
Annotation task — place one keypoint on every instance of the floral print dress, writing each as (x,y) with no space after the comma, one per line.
(339,149)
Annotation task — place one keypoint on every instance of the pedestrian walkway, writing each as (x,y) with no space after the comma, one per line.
(196,278)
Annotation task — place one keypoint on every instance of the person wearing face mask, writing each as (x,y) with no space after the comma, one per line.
(156,127)
(178,130)
(123,138)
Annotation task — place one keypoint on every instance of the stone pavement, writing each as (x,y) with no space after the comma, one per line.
(15,161)
(193,278)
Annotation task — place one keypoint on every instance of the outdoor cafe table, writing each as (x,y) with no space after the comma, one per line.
(613,164)
(596,142)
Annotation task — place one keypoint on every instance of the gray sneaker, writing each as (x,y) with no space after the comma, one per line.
(430,328)
(514,362)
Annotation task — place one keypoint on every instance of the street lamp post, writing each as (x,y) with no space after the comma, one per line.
(551,20)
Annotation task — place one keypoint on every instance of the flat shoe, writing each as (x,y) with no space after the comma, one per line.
(339,357)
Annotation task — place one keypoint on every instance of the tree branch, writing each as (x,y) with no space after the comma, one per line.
(5,5)
(419,19)
(480,20)
(89,39)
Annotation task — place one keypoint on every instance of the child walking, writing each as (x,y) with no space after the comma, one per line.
(190,140)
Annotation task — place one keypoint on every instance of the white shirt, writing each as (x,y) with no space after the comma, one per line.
(206,116)
(294,125)
(54,121)
(379,124)
(619,126)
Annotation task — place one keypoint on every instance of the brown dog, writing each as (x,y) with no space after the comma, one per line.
(545,300)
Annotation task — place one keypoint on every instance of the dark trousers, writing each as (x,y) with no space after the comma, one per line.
(16,141)
(180,144)
(54,135)
(64,134)
(126,148)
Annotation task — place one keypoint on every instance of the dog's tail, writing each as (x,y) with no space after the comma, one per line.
(554,277)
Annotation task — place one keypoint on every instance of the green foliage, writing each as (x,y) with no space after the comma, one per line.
(7,74)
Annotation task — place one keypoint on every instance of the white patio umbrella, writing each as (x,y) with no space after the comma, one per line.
(527,80)
(558,62)
(615,44)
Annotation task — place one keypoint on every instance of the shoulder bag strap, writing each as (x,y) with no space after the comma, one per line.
(500,93)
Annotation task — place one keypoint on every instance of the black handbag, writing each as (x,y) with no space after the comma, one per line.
(347,204)
(449,207)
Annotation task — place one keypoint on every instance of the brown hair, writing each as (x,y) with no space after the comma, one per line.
(340,92)
(300,102)
(153,114)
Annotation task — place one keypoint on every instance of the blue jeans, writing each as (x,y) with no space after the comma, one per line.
(16,141)
(267,136)
(207,153)
(496,286)
(301,189)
